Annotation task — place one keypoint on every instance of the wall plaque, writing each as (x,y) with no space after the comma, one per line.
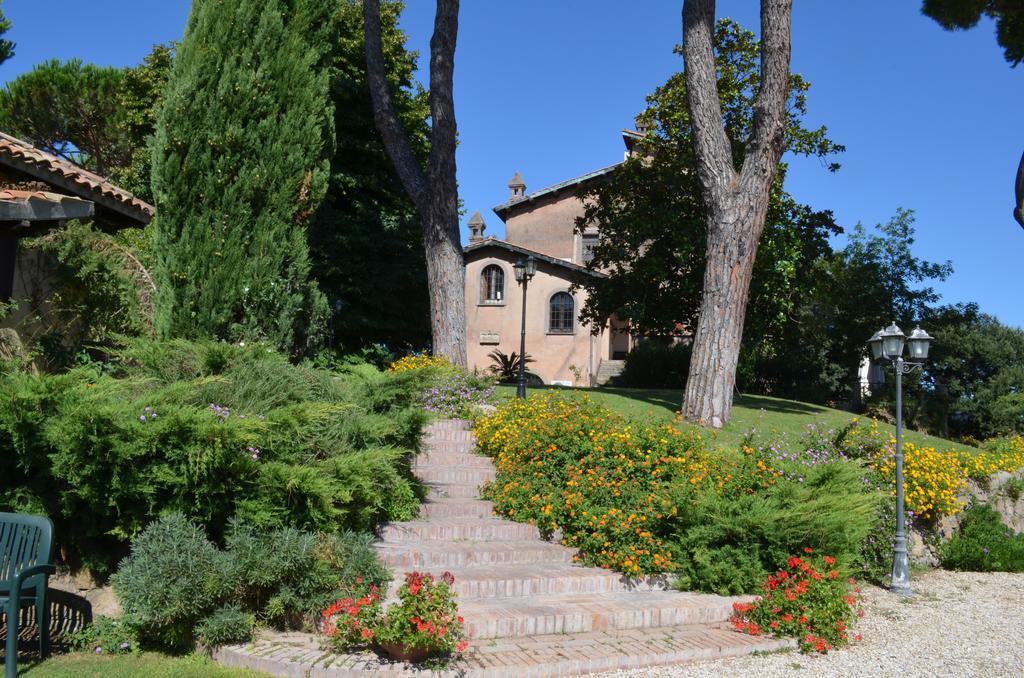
(490,338)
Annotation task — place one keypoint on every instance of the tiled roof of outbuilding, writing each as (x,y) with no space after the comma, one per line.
(65,175)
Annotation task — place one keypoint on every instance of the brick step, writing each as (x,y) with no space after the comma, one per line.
(453,529)
(579,613)
(435,459)
(451,508)
(447,435)
(464,446)
(450,475)
(439,556)
(448,425)
(437,491)
(523,580)
(300,654)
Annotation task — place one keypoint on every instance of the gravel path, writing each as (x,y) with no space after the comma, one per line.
(957,624)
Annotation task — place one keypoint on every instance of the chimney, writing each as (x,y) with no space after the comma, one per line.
(641,125)
(517,187)
(476,227)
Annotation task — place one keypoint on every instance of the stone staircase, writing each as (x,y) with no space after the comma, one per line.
(608,370)
(528,609)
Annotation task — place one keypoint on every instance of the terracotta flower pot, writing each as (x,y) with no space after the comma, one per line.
(403,653)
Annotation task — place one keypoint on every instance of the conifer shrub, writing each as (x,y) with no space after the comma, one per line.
(228,624)
(982,543)
(212,431)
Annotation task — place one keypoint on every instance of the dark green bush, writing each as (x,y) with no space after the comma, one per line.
(982,543)
(229,624)
(655,364)
(874,563)
(173,578)
(728,543)
(210,430)
(174,581)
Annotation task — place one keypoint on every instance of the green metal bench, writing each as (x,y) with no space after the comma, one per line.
(25,545)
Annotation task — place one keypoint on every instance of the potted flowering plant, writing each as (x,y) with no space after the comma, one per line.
(424,622)
(808,600)
(352,621)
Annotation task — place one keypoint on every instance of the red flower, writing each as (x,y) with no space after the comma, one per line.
(461,620)
(359,580)
(850,600)
(448,578)
(829,560)
(794,561)
(858,638)
(833,574)
(462,645)
(787,618)
(808,549)
(815,576)
(774,625)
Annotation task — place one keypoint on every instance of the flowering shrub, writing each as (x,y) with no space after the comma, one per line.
(353,620)
(419,362)
(424,618)
(651,499)
(458,397)
(807,600)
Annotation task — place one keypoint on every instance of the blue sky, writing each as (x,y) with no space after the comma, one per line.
(930,119)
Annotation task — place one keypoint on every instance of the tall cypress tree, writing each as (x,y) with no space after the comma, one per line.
(240,164)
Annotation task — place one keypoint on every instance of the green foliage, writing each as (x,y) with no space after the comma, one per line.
(425,617)
(172,579)
(213,431)
(982,543)
(106,636)
(651,219)
(728,544)
(874,562)
(645,499)
(656,364)
(366,238)
(6,46)
(228,624)
(69,109)
(177,586)
(806,599)
(965,14)
(505,366)
(240,164)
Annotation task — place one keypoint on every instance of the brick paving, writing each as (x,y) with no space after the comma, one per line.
(529,611)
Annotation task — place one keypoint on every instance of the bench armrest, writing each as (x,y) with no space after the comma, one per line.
(27,573)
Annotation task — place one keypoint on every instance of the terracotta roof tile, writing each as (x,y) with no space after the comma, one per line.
(69,176)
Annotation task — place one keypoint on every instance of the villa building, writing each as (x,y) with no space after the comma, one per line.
(541,224)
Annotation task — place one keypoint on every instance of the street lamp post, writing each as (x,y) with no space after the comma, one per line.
(525,270)
(887,344)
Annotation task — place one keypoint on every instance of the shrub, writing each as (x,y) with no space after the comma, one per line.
(651,499)
(175,579)
(420,362)
(209,430)
(229,624)
(172,579)
(982,543)
(106,636)
(505,366)
(807,599)
(874,562)
(654,364)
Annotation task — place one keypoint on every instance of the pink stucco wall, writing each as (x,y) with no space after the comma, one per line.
(546,225)
(553,353)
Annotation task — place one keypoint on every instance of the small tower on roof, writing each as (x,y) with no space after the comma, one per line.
(476,227)
(517,186)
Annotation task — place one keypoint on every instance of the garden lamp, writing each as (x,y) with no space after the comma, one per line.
(525,270)
(892,342)
(918,343)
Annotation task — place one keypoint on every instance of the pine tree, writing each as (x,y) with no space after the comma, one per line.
(240,164)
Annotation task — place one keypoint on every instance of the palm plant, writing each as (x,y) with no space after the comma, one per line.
(506,366)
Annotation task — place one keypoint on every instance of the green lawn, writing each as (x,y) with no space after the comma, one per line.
(148,664)
(766,415)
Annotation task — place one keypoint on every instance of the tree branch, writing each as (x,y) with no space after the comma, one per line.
(395,140)
(714,157)
(767,139)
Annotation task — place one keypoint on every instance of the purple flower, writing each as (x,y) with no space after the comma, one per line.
(125,645)
(142,418)
(99,650)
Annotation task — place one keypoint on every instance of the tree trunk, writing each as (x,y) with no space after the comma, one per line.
(1018,192)
(716,343)
(436,193)
(736,202)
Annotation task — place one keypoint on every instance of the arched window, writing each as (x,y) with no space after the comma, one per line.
(560,313)
(492,285)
